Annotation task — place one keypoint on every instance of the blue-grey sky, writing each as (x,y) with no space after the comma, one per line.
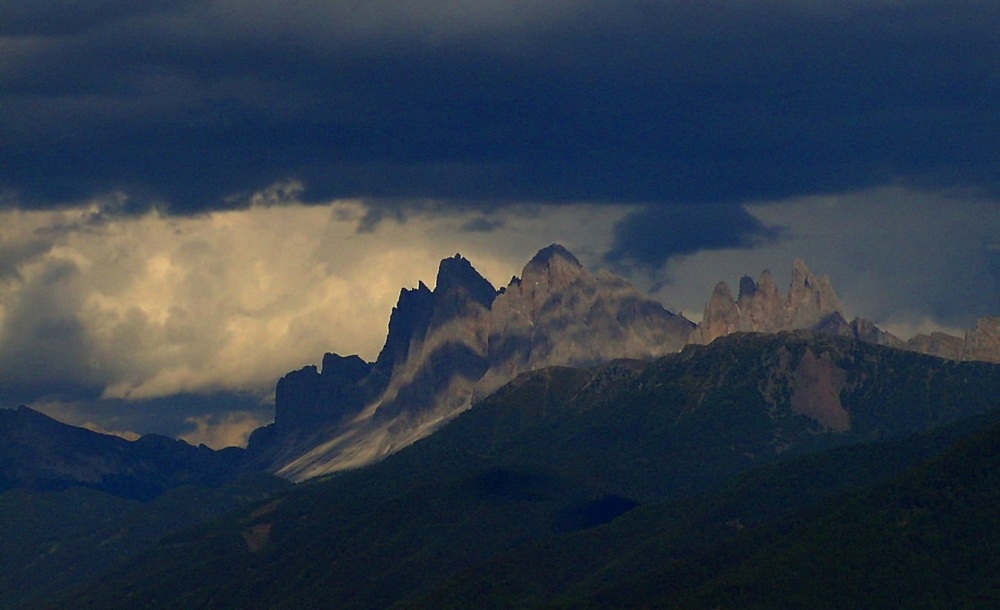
(193,195)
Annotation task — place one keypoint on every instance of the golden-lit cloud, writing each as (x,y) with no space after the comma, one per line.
(150,306)
(231,429)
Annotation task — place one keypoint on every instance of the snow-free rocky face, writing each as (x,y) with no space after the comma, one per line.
(451,346)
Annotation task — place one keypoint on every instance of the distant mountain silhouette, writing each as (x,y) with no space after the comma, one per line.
(40,453)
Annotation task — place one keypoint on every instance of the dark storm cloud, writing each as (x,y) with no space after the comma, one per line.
(188,106)
(483,225)
(652,235)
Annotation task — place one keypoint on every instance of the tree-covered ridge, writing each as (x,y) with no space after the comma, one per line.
(55,540)
(560,454)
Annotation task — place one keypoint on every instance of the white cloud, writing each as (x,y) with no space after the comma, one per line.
(151,306)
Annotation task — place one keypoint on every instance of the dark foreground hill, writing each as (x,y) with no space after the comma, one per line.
(907,524)
(56,540)
(75,504)
(560,457)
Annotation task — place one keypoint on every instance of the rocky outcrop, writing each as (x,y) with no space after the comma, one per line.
(319,397)
(450,346)
(559,313)
(981,343)
(811,302)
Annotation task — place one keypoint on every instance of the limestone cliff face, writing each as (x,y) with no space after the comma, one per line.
(722,316)
(812,304)
(760,307)
(982,342)
(448,347)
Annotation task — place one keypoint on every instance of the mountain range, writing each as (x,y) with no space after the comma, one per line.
(448,347)
(563,441)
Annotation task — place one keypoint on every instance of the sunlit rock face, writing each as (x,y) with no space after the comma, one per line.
(450,346)
(983,341)
(760,307)
(558,313)
(812,304)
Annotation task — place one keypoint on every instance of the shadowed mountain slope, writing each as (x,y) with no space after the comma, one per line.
(558,451)
(628,562)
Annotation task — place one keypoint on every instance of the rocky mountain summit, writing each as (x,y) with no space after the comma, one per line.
(812,304)
(760,307)
(452,345)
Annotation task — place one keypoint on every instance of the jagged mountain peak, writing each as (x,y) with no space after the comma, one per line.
(760,307)
(457,272)
(817,286)
(554,267)
(452,346)
(748,288)
(448,347)
(553,252)
(799,271)
(721,291)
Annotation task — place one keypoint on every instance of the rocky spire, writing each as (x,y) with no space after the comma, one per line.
(810,298)
(458,273)
(761,308)
(721,315)
(553,268)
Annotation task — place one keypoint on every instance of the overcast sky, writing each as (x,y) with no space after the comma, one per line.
(199,196)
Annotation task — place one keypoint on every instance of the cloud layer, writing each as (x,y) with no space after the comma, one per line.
(193,105)
(150,306)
